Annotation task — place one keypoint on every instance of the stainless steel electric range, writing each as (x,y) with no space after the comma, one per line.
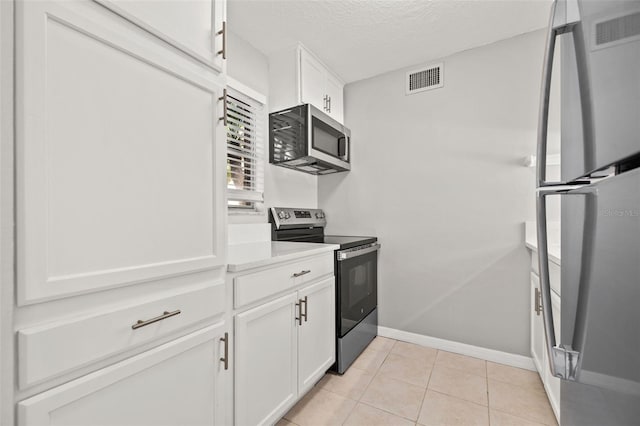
(356,271)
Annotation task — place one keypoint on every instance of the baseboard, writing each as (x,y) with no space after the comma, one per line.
(492,355)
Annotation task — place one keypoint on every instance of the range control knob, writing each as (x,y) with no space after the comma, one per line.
(281,215)
(319,215)
(287,215)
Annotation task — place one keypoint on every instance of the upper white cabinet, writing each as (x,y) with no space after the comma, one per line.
(205,36)
(297,76)
(120,155)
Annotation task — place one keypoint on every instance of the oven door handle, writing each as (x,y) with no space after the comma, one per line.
(346,254)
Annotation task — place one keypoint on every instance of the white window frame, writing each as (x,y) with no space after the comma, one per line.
(260,98)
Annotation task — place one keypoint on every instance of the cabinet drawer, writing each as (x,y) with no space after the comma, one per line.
(174,384)
(251,287)
(58,347)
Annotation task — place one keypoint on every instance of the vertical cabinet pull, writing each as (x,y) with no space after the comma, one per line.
(223,33)
(225,358)
(306,308)
(537,306)
(299,306)
(329,100)
(223,98)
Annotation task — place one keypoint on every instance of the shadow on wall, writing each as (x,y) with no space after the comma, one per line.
(490,294)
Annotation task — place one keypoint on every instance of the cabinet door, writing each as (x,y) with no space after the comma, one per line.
(189,25)
(174,384)
(119,176)
(334,89)
(537,328)
(317,334)
(553,383)
(266,361)
(313,77)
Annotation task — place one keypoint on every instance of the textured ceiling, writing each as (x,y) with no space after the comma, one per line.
(363,38)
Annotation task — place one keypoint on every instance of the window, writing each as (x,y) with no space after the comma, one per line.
(245,148)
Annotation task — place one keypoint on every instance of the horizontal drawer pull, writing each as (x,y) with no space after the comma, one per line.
(301,273)
(165,314)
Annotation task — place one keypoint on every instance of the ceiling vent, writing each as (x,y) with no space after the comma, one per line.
(428,78)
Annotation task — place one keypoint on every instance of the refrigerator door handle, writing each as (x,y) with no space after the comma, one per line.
(563,18)
(564,360)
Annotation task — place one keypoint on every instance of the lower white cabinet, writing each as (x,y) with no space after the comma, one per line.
(537,325)
(182,382)
(283,347)
(317,334)
(539,342)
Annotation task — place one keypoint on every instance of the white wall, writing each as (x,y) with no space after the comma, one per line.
(438,177)
(282,187)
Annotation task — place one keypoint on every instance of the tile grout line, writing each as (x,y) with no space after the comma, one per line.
(486,370)
(375,373)
(433,366)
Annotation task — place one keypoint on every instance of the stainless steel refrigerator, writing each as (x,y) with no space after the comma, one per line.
(596,348)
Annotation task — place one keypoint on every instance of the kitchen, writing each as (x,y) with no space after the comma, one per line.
(140,266)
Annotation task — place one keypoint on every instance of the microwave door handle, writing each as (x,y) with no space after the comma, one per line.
(342,147)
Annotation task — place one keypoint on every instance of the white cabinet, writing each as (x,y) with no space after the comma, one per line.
(537,326)
(120,215)
(317,334)
(538,338)
(265,361)
(204,38)
(120,165)
(179,383)
(319,86)
(315,83)
(283,348)
(552,384)
(335,94)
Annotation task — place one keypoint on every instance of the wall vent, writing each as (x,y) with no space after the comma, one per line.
(618,29)
(430,77)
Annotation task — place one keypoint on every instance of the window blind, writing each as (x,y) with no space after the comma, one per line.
(245,152)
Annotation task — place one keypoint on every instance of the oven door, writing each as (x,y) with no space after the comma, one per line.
(357,278)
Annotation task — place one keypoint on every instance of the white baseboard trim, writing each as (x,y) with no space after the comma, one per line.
(492,355)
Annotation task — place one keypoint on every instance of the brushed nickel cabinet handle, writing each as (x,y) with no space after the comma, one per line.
(301,273)
(329,99)
(225,359)
(306,308)
(537,306)
(223,98)
(223,32)
(165,314)
(299,306)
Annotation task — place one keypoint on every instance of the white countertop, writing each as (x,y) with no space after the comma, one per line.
(256,254)
(553,230)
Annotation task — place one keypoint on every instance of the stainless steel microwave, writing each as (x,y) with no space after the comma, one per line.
(306,139)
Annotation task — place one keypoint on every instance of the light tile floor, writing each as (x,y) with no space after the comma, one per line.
(398,383)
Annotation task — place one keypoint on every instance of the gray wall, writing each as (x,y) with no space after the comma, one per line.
(438,177)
